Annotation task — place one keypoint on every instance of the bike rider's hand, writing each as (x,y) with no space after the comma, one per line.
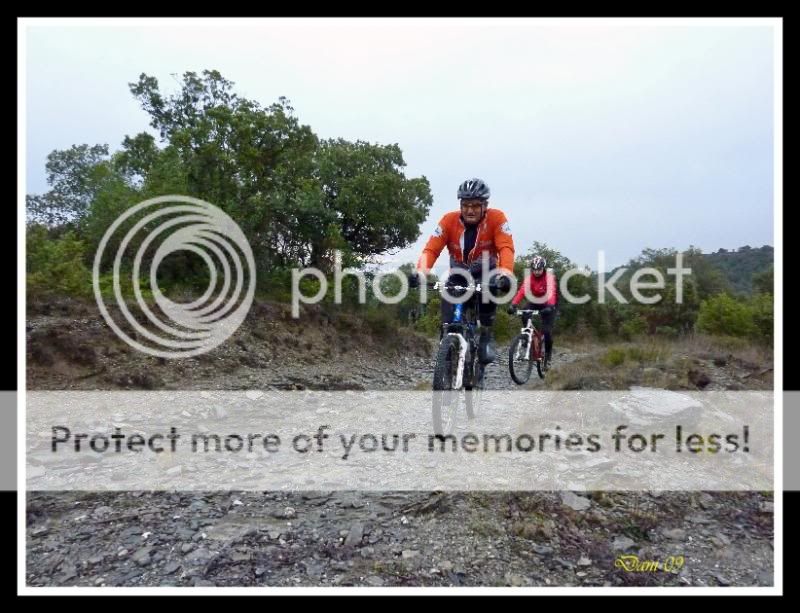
(512,308)
(503,283)
(546,310)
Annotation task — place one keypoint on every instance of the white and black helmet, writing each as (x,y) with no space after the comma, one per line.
(473,189)
(538,263)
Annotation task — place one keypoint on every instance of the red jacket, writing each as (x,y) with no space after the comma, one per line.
(494,237)
(539,286)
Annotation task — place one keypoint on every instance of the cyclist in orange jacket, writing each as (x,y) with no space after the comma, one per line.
(468,234)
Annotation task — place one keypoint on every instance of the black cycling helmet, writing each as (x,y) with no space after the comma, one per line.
(538,263)
(473,189)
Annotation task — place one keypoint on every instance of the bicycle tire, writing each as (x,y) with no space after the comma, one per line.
(522,372)
(445,405)
(540,369)
(475,395)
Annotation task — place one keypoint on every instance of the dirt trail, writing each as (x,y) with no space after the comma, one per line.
(364,538)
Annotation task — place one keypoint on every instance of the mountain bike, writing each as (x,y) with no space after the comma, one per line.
(458,377)
(526,350)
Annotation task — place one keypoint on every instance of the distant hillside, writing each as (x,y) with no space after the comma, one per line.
(740,265)
(737,266)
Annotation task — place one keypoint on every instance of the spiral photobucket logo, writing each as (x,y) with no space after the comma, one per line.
(167,225)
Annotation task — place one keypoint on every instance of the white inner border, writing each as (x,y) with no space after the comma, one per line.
(775,23)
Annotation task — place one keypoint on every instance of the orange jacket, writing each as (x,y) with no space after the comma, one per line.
(494,236)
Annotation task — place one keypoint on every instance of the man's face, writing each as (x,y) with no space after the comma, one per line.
(472,210)
(538,272)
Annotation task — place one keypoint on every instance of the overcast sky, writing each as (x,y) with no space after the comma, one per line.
(603,136)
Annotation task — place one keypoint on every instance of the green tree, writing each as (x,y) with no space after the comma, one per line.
(555,259)
(255,163)
(763,317)
(764,282)
(139,154)
(74,175)
(297,200)
(55,265)
(365,191)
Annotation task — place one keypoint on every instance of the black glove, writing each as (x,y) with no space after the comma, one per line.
(413,280)
(512,308)
(546,310)
(503,283)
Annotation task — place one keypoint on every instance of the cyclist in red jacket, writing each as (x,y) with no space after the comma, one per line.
(541,285)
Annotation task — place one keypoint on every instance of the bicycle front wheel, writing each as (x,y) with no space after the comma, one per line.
(445,397)
(520,364)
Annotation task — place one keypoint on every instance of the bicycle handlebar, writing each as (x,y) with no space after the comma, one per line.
(448,285)
(451,286)
(460,288)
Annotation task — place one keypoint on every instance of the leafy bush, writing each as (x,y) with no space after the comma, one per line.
(632,328)
(56,265)
(763,318)
(614,356)
(724,315)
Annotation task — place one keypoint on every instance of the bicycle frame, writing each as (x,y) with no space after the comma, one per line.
(462,347)
(462,327)
(458,322)
(530,331)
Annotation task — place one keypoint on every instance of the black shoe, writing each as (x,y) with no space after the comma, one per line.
(487,351)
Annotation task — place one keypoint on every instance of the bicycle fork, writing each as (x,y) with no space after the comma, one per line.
(462,356)
(526,352)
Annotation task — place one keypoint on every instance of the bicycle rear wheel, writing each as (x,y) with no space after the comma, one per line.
(445,398)
(538,351)
(520,363)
